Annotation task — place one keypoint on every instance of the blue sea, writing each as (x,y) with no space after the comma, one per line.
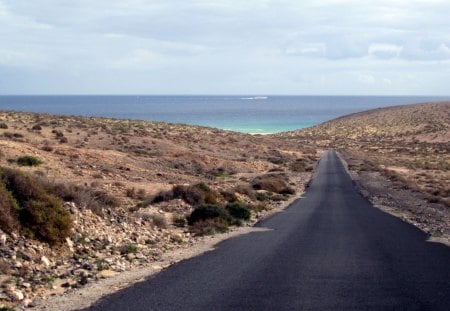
(248,114)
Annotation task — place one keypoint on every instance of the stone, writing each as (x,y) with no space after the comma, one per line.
(26,285)
(81,272)
(16,295)
(106,274)
(3,239)
(70,244)
(27,303)
(45,261)
(17,264)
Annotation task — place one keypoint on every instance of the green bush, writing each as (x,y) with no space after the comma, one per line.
(28,161)
(129,249)
(40,213)
(208,211)
(238,210)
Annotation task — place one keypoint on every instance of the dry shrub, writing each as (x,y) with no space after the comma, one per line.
(276,183)
(36,127)
(301,165)
(3,125)
(159,220)
(209,227)
(40,213)
(195,195)
(246,190)
(47,148)
(83,196)
(229,195)
(4,267)
(8,210)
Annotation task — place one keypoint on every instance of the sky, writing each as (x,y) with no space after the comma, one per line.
(291,47)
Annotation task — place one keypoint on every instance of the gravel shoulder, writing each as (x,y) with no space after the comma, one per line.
(410,206)
(113,282)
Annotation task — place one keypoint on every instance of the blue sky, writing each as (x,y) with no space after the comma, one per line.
(329,47)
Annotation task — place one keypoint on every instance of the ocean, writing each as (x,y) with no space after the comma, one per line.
(242,113)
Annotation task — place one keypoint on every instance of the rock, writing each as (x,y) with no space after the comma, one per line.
(17,264)
(106,274)
(16,295)
(3,239)
(70,244)
(26,285)
(27,303)
(45,261)
(69,283)
(81,272)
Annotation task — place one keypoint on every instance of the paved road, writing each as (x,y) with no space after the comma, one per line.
(330,250)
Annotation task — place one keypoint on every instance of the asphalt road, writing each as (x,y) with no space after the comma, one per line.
(331,250)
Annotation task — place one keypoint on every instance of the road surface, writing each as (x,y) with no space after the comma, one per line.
(331,250)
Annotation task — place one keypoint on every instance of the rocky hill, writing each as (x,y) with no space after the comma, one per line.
(85,198)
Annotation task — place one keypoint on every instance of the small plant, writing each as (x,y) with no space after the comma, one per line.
(8,210)
(238,210)
(180,221)
(28,161)
(262,196)
(208,211)
(101,264)
(4,267)
(209,227)
(47,148)
(129,249)
(3,125)
(36,127)
(58,133)
(159,220)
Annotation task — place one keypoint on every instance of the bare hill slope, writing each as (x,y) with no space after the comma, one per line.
(401,154)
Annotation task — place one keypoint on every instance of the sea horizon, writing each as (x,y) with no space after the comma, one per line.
(253,114)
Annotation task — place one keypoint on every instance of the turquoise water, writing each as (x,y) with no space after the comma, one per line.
(244,113)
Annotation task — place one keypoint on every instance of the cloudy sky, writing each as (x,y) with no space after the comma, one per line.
(329,47)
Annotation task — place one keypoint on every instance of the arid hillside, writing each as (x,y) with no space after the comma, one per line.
(407,145)
(85,198)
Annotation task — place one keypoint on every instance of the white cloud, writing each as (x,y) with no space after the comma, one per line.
(384,50)
(227,46)
(366,78)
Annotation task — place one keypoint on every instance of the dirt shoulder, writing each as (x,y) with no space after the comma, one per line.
(406,204)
